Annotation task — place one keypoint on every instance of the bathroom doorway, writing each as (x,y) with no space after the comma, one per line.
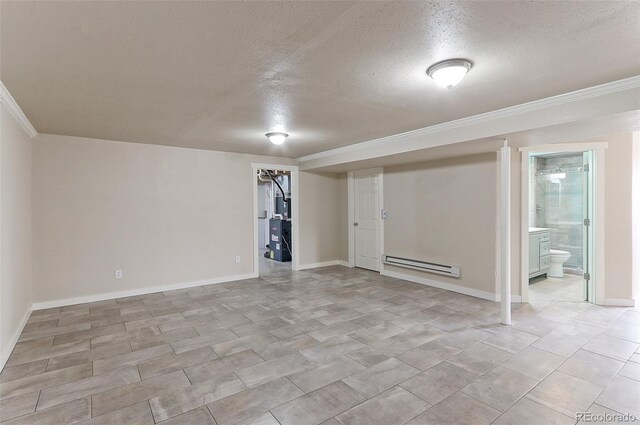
(561,225)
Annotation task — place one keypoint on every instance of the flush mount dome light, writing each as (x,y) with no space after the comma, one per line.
(277,138)
(450,72)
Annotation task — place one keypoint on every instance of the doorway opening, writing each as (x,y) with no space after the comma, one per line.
(562,223)
(275,221)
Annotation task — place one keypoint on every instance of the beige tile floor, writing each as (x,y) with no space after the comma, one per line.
(571,288)
(325,346)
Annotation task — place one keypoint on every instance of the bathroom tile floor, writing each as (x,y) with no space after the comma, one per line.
(568,288)
(332,345)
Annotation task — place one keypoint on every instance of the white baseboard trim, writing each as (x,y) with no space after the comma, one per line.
(619,302)
(448,286)
(139,291)
(323,264)
(8,348)
(514,298)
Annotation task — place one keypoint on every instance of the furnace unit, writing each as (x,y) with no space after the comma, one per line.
(280,240)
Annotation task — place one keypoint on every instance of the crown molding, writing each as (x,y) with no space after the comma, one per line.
(535,106)
(12,106)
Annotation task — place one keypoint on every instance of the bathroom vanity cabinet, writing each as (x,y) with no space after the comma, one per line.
(539,253)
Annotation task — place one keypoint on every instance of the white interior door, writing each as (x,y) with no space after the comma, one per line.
(367,219)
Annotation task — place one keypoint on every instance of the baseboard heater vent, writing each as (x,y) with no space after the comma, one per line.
(453,271)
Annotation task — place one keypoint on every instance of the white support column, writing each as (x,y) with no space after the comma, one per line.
(505,233)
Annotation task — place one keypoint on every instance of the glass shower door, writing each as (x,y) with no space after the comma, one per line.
(587,228)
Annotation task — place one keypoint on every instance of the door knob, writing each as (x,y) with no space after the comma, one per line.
(355,224)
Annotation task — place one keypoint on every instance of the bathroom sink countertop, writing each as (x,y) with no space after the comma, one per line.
(537,229)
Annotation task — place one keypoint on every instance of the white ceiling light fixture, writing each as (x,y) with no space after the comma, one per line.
(449,72)
(277,138)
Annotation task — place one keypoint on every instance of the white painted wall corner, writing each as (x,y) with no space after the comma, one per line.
(6,350)
(14,109)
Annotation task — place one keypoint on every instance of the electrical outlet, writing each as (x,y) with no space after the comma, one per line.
(237,258)
(119,274)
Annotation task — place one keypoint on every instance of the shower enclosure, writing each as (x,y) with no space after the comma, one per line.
(559,204)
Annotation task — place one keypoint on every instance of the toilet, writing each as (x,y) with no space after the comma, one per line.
(558,258)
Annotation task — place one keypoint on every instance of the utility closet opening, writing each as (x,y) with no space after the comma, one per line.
(275,241)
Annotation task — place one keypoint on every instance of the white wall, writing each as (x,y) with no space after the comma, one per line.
(163,215)
(321,224)
(444,212)
(618,217)
(15,231)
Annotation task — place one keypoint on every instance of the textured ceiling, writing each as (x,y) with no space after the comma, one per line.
(218,75)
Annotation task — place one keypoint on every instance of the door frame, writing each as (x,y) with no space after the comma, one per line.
(295,212)
(598,149)
(351,192)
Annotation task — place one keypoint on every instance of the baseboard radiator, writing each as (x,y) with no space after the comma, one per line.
(424,266)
